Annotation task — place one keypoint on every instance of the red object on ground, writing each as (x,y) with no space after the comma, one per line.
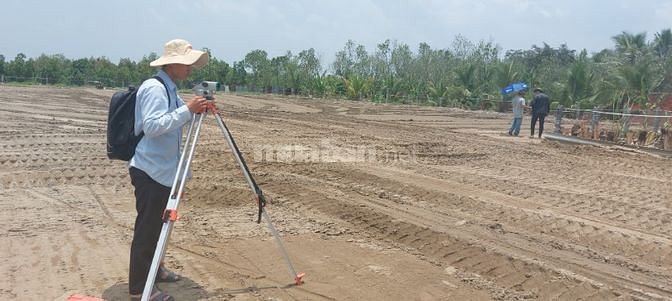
(299,278)
(78,297)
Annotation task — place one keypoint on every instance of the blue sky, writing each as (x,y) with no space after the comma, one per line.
(130,28)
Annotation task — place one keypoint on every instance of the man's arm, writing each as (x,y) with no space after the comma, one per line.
(156,117)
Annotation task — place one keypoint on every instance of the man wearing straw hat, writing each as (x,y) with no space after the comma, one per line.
(160,113)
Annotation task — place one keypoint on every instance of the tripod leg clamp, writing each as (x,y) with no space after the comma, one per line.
(169,215)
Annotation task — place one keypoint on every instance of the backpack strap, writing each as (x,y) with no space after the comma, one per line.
(142,133)
(165,87)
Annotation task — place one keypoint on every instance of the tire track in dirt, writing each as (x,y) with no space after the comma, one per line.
(595,227)
(568,224)
(521,216)
(430,242)
(88,176)
(55,232)
(421,243)
(593,206)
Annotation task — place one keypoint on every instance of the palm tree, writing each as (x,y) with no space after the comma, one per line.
(630,46)
(506,74)
(579,82)
(635,69)
(662,44)
(357,87)
(438,92)
(662,49)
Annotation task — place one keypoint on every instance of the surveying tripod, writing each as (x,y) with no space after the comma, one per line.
(170,213)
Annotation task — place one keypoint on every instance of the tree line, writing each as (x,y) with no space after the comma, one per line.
(468,75)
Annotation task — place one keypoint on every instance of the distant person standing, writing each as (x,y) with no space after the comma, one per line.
(517,105)
(541,105)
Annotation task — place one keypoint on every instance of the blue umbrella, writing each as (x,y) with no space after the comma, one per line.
(515,87)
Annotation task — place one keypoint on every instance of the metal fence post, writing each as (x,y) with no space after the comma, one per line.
(558,119)
(656,120)
(626,121)
(594,122)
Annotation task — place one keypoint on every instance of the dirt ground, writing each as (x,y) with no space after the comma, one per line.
(374,202)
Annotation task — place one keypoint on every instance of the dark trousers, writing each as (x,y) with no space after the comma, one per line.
(540,117)
(150,202)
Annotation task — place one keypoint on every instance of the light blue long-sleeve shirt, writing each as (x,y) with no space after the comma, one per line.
(158,152)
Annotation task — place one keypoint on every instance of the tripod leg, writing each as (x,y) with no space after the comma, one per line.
(170,213)
(297,276)
(180,165)
(236,153)
(259,194)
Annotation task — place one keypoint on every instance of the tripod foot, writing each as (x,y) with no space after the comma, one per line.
(298,280)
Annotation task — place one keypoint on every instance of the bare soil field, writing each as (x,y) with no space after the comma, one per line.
(374,202)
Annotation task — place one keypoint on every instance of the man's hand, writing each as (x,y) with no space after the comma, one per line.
(198,104)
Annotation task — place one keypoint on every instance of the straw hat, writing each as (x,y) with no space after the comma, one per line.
(179,51)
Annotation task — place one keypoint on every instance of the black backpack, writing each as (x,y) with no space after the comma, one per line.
(121,138)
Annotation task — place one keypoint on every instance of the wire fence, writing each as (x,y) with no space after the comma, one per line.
(645,128)
(69,81)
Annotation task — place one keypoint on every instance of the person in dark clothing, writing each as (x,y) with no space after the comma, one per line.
(541,105)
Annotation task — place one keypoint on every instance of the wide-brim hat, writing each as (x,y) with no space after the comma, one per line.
(179,51)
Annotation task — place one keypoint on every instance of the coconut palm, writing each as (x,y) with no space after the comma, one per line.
(579,83)
(662,49)
(357,87)
(630,46)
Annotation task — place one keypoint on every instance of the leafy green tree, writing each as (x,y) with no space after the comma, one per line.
(143,70)
(77,72)
(18,67)
(506,73)
(467,75)
(357,87)
(258,67)
(662,44)
(662,48)
(579,86)
(51,68)
(635,69)
(402,63)
(103,71)
(631,47)
(345,60)
(216,70)
(238,75)
(381,67)
(29,69)
(327,85)
(125,74)
(284,72)
(309,70)
(438,93)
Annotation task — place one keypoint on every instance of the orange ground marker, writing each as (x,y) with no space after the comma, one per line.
(78,297)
